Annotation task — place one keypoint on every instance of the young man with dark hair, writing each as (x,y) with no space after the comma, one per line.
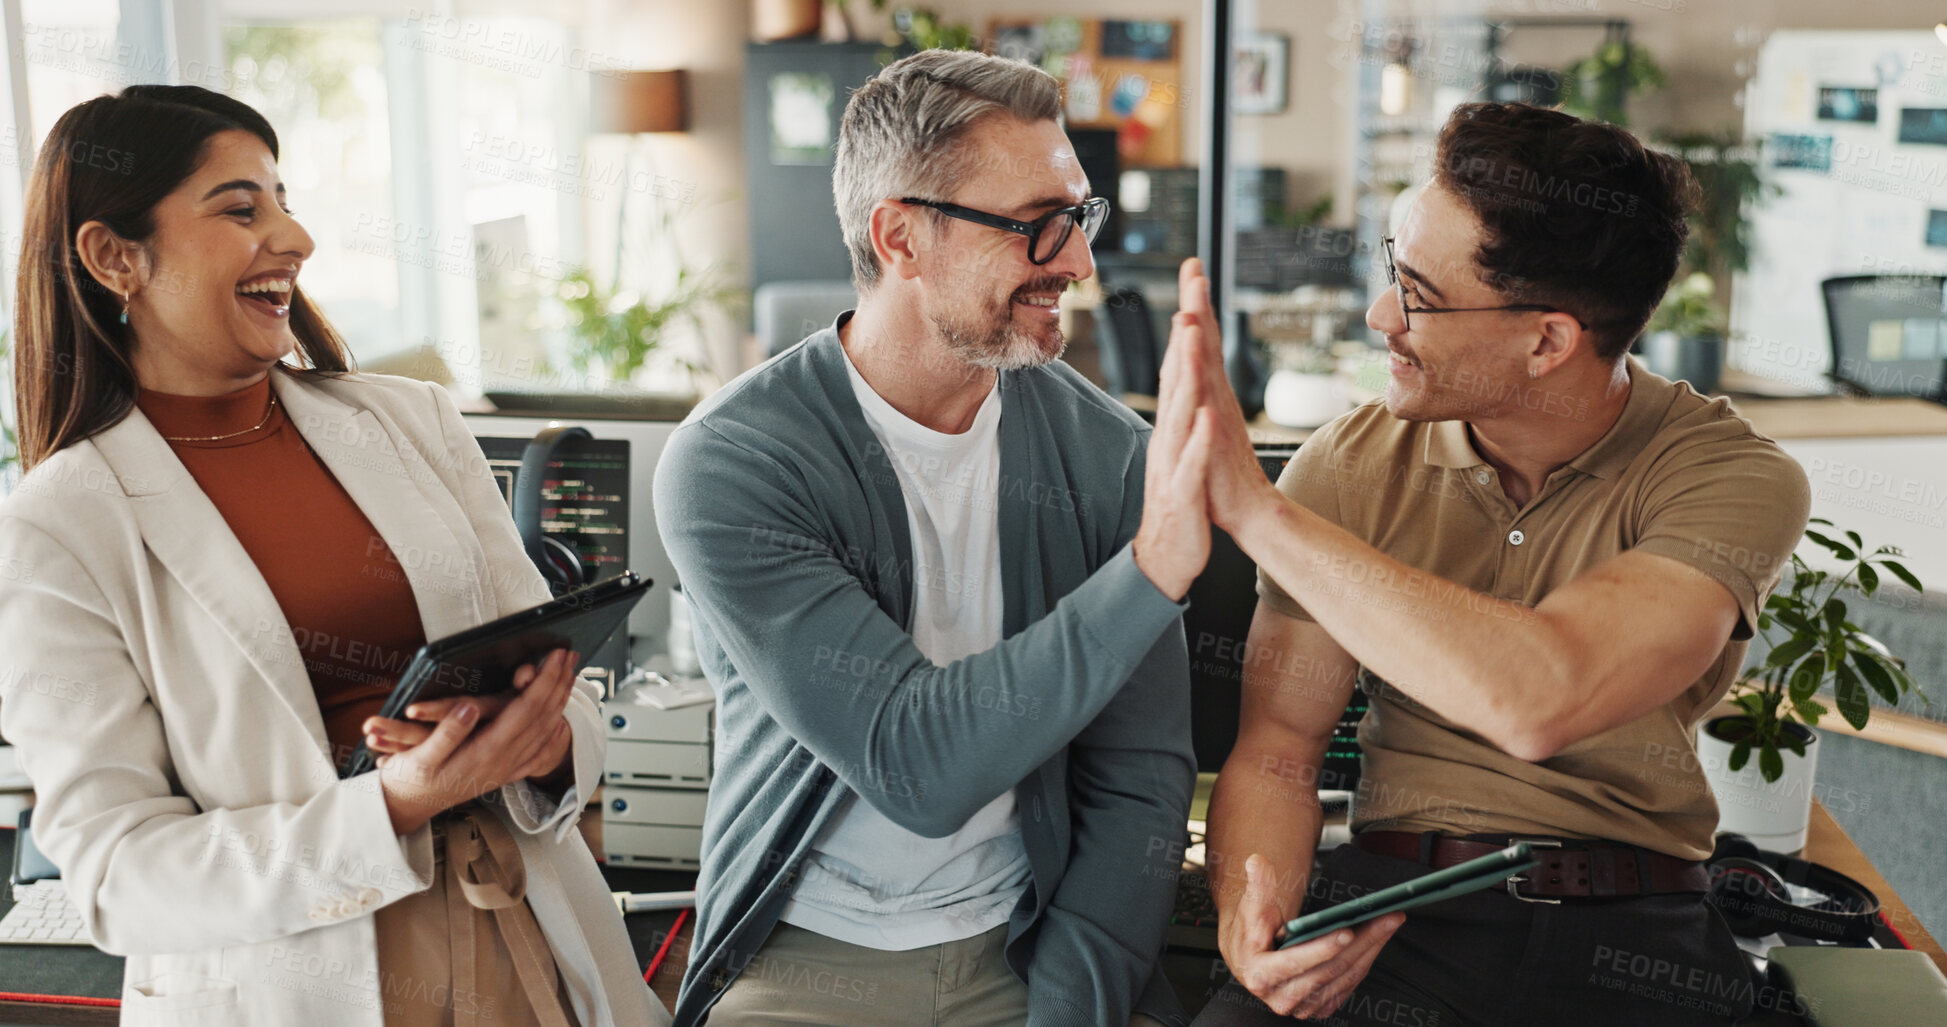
(1543,564)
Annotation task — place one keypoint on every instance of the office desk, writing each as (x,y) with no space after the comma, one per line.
(1843,417)
(85,971)
(1827,843)
(82,971)
(1784,419)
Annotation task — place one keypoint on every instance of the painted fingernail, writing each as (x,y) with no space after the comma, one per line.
(466,713)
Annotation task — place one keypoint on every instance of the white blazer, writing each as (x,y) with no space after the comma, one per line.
(160,705)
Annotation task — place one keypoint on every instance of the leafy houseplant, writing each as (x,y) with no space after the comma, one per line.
(1719,245)
(617,330)
(920,28)
(1598,86)
(1815,644)
(1687,309)
(1729,186)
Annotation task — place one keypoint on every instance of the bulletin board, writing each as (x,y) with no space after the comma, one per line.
(1853,133)
(1115,73)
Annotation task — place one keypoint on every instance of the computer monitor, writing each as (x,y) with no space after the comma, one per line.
(1222,600)
(1095,151)
(637,547)
(584,496)
(1889,334)
(585,503)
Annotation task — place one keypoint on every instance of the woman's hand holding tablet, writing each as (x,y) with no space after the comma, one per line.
(386,736)
(463,758)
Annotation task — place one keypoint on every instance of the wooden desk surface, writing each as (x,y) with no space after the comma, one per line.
(1842,417)
(1818,417)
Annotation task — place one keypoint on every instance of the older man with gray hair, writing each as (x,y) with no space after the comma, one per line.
(936,578)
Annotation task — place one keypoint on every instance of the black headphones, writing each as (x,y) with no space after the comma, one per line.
(558,560)
(1747,885)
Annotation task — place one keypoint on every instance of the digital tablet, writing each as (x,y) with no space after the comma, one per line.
(482,660)
(1488,871)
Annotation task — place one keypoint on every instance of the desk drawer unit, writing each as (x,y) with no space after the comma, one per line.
(670,807)
(657,781)
(658,764)
(653,845)
(635,723)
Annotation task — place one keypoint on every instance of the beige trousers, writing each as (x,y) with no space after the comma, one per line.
(805,979)
(467,952)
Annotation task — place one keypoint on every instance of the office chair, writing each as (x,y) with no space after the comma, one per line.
(1889,334)
(784,313)
(1130,363)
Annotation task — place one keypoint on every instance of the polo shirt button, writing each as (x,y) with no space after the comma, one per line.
(1515,537)
(1482,477)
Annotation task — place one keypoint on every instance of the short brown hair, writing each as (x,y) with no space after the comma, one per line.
(72,372)
(1576,214)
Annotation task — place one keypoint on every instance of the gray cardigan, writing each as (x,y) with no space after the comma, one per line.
(787,528)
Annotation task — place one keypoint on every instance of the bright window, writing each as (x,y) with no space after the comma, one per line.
(323,87)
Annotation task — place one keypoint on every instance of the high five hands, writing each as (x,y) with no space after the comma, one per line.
(1235,488)
(1314,978)
(1200,468)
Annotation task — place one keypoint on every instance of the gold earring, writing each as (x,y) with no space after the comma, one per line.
(125,308)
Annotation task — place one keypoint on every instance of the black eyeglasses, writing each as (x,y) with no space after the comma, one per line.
(1046,234)
(1406,313)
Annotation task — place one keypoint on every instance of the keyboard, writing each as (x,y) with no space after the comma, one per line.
(1193,920)
(42,915)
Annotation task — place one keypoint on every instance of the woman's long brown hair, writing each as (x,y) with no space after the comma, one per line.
(112,159)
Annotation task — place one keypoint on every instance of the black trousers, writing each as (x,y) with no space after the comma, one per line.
(1488,960)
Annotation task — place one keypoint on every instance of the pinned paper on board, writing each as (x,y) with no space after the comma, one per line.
(1885,339)
(1116,74)
(1848,103)
(801,119)
(1921,338)
(1084,99)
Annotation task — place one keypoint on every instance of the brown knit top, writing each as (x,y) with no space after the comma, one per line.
(341,590)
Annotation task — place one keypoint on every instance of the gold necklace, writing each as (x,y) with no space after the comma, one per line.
(218,438)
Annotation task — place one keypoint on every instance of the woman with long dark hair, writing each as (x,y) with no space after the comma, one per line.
(225,548)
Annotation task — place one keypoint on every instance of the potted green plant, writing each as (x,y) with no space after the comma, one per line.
(1814,643)
(612,333)
(1685,337)
(1304,390)
(1599,86)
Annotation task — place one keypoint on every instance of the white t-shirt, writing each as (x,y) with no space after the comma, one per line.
(867,881)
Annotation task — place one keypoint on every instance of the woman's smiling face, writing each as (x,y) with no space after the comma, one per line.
(214,306)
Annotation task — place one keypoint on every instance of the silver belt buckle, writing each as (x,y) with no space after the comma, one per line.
(1515,881)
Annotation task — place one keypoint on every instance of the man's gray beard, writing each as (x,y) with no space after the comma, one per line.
(1003,347)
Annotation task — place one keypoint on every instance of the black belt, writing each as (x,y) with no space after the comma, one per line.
(1565,868)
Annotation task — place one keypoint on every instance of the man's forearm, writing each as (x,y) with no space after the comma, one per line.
(1262,805)
(1493,666)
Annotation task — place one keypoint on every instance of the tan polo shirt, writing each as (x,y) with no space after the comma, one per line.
(1678,475)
